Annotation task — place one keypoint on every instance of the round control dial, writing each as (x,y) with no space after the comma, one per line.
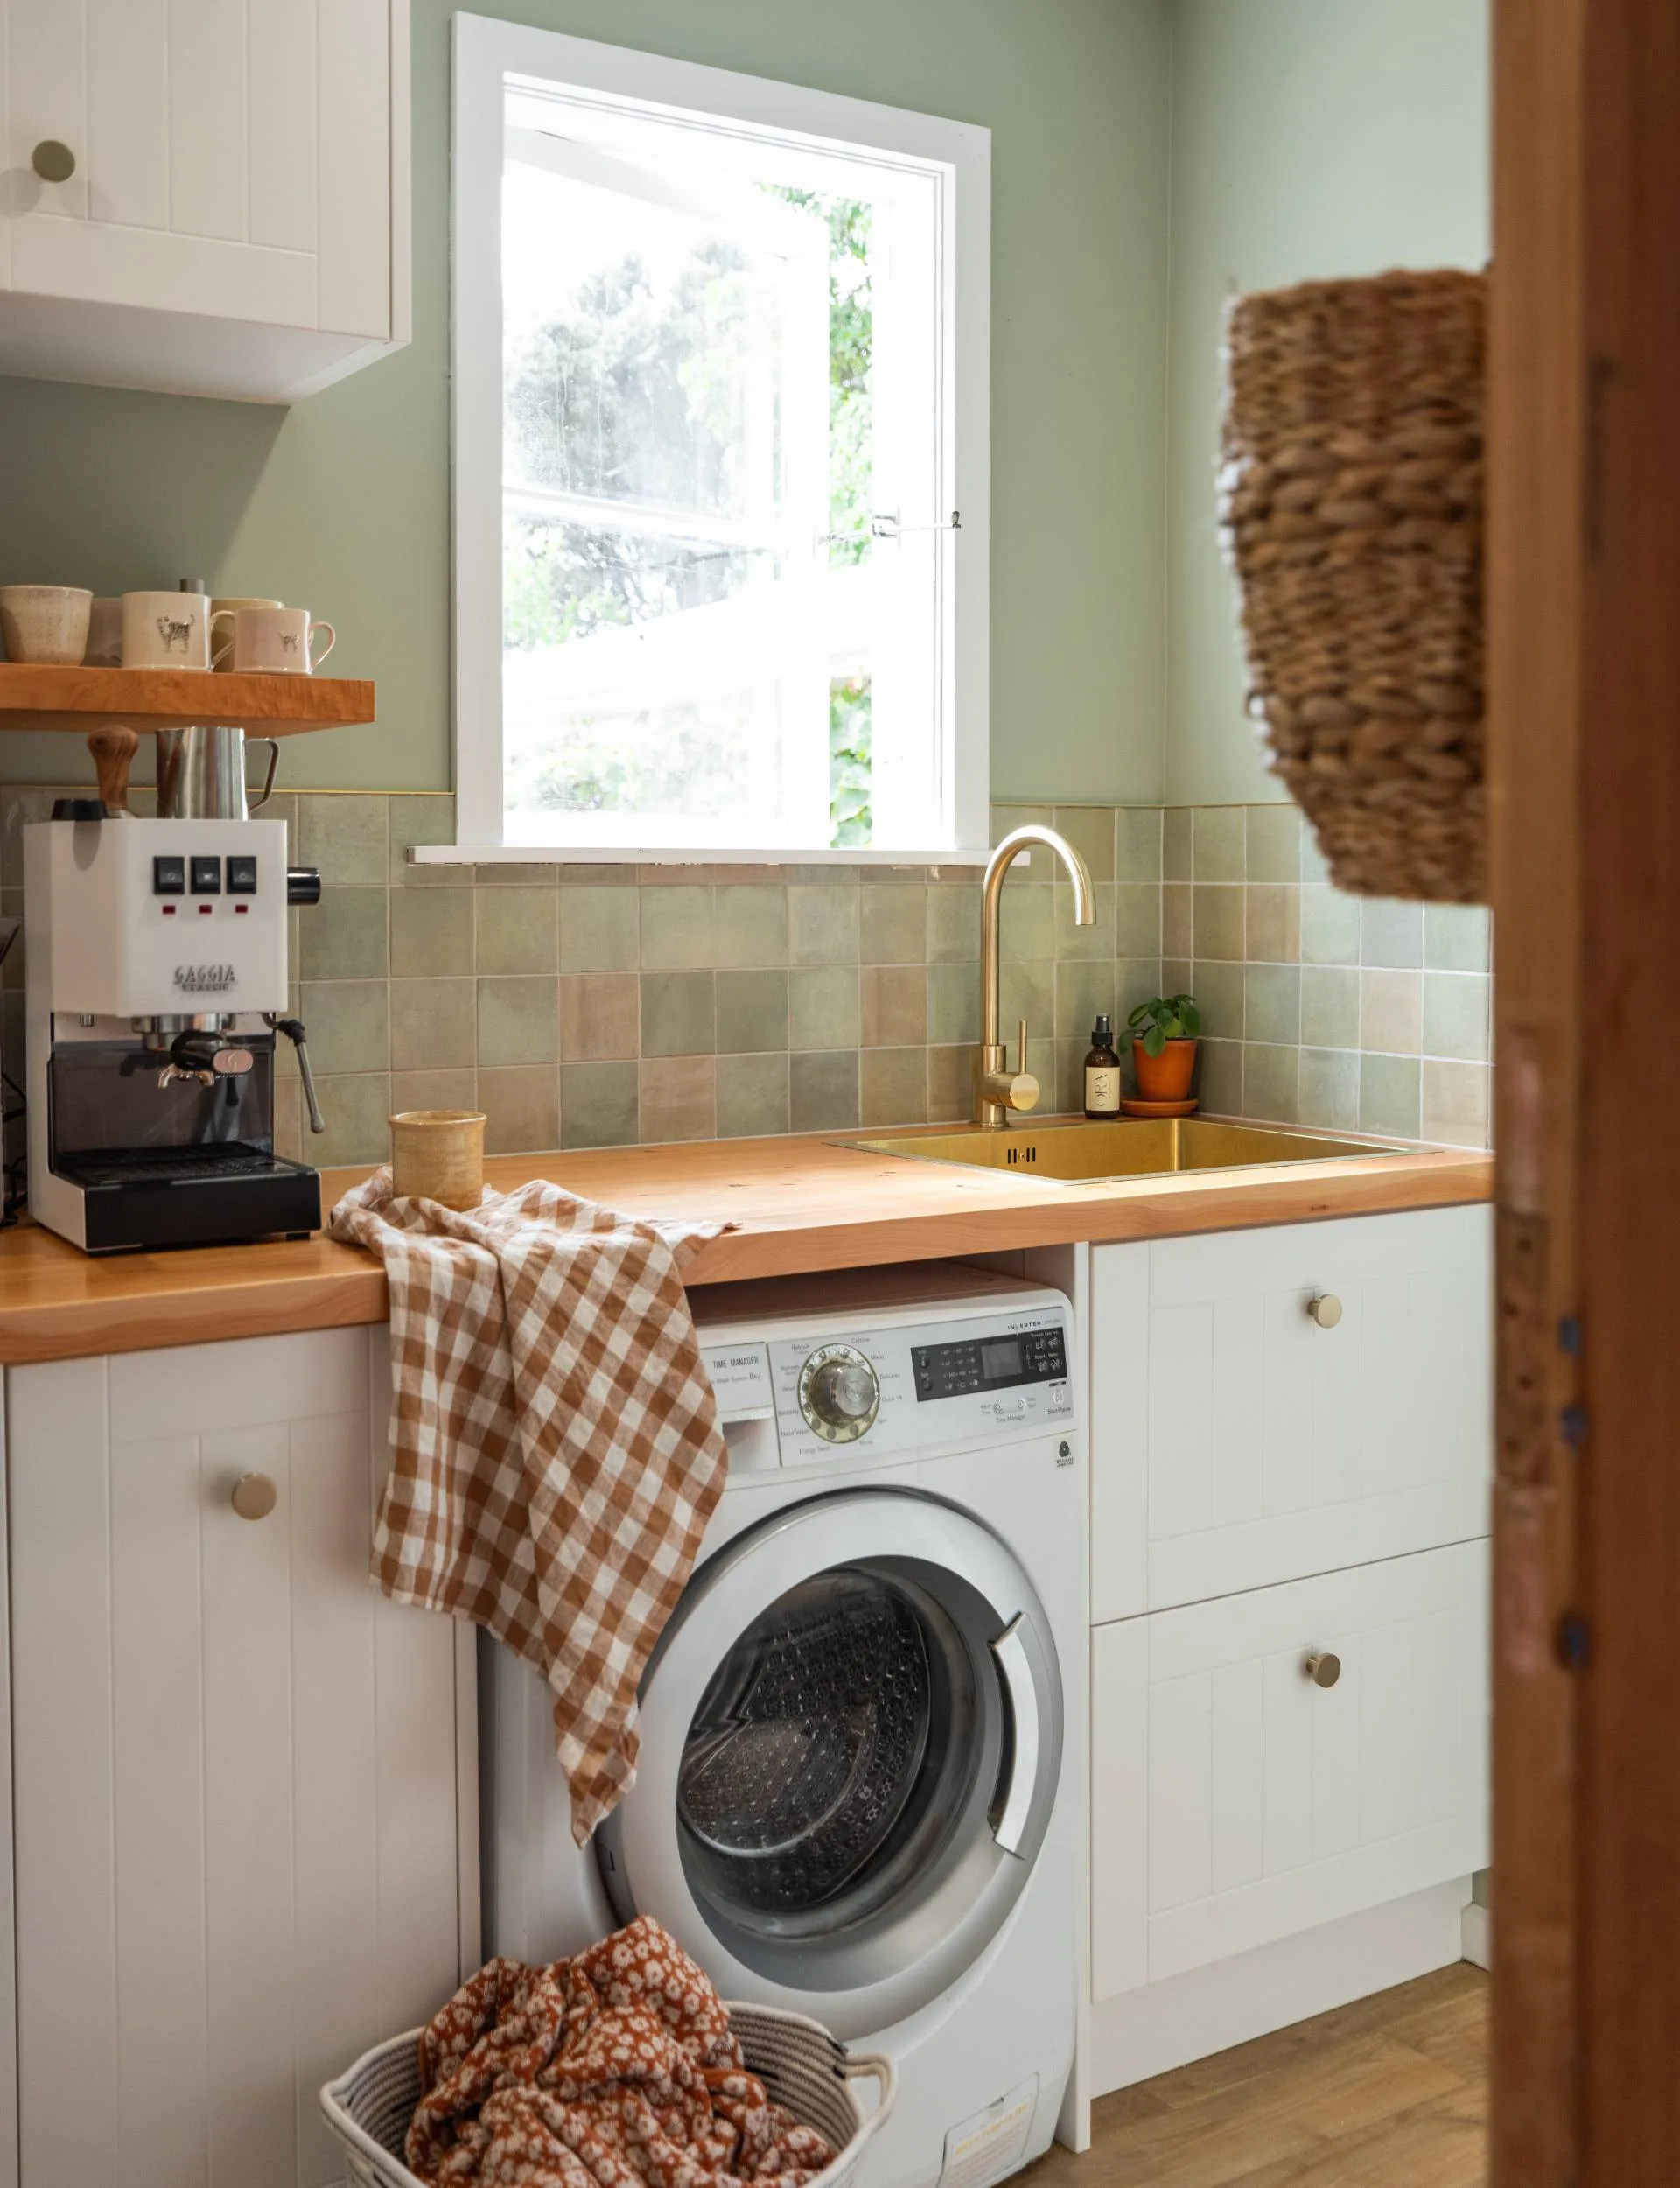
(839,1394)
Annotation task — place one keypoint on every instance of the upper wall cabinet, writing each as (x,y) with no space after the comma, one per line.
(204,197)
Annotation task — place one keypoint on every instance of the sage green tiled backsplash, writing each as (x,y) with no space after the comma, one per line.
(588,1005)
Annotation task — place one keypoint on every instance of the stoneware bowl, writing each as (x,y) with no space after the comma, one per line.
(45,623)
(437,1154)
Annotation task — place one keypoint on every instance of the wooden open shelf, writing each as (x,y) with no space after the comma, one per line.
(85,698)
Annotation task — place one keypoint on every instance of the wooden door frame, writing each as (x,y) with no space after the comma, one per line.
(1583,608)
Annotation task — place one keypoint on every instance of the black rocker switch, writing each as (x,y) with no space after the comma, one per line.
(207,877)
(169,875)
(241,875)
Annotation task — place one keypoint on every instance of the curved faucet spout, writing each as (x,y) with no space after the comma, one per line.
(997,1091)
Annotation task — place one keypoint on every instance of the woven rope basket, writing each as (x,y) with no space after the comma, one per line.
(802,2068)
(1351,505)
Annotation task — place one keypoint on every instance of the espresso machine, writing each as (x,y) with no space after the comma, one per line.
(155,992)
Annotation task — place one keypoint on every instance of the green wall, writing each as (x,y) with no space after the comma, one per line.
(1310,139)
(343,504)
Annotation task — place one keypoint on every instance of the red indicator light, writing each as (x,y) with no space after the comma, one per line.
(168,911)
(204,910)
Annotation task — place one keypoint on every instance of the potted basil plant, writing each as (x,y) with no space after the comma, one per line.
(1164,1032)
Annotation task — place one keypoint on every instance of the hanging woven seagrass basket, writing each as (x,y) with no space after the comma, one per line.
(1351,502)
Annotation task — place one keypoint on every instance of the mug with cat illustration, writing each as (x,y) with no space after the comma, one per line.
(269,641)
(165,630)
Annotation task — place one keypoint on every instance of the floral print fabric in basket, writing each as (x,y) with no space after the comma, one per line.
(613,2070)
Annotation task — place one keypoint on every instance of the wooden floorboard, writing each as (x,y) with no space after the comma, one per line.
(1389,2093)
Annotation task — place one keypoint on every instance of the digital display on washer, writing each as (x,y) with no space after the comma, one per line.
(988,1363)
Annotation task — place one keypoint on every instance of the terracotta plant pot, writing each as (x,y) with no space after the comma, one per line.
(1165,1077)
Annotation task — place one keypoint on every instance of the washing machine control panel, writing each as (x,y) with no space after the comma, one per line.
(835,1392)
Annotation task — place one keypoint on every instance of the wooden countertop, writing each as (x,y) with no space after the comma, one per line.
(800,1204)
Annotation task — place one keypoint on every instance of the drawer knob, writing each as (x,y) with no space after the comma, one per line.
(254,1496)
(52,161)
(1326,1309)
(1324,1670)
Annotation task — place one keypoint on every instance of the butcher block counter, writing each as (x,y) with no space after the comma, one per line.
(798,1204)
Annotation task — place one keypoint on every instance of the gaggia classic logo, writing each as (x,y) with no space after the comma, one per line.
(203,979)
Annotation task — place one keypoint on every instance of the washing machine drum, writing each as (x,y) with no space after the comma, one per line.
(850,1743)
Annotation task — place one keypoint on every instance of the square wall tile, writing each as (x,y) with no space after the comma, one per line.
(676,925)
(1218,914)
(1220,991)
(1456,1007)
(822,1010)
(1391,1012)
(1273,843)
(1456,1103)
(679,1099)
(1083,993)
(892,925)
(1137,845)
(893,1005)
(1457,937)
(1091,829)
(434,1024)
(891,1086)
(950,1083)
(1329,1089)
(600,1016)
(344,935)
(1176,849)
(1272,1005)
(1026,925)
(822,924)
(1390,1090)
(345,836)
(434,1089)
(953,926)
(750,924)
(599,1104)
(518,1023)
(1218,843)
(953,1003)
(349,1025)
(678,1014)
(1137,920)
(1329,926)
(822,1091)
(1029,992)
(432,933)
(521,1109)
(423,819)
(1095,941)
(518,930)
(1392,933)
(753,1009)
(1272,912)
(752,1096)
(1271,1082)
(356,1107)
(600,928)
(1218,1077)
(1330,1008)
(1177,938)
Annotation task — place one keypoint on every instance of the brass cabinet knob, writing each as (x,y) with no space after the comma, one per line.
(1324,1670)
(254,1496)
(52,161)
(1326,1309)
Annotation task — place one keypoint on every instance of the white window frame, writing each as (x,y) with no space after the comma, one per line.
(487,53)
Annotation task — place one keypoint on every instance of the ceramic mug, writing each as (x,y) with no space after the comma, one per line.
(104,649)
(270,641)
(45,623)
(165,630)
(224,604)
(437,1154)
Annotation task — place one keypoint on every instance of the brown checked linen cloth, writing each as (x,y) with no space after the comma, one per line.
(555,1447)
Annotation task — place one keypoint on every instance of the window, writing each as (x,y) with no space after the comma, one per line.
(720,462)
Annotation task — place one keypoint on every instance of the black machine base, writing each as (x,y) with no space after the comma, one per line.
(183,1196)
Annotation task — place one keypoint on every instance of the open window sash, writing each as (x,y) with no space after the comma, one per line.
(700,717)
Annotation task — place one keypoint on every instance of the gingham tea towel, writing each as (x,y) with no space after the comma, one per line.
(555,1447)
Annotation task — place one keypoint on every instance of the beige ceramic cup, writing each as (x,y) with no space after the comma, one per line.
(224,604)
(45,623)
(437,1154)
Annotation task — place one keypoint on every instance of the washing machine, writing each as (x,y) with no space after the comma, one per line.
(853,1797)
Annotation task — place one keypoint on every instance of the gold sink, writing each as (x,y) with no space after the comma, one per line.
(1066,1152)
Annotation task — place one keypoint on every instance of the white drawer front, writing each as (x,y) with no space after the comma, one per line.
(1237,1443)
(1235,1802)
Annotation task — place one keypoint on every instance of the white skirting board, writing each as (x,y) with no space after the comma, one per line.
(1166,2024)
(1477,1935)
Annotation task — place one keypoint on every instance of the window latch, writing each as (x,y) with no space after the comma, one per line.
(886,525)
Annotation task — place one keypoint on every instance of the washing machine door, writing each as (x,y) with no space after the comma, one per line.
(851,1735)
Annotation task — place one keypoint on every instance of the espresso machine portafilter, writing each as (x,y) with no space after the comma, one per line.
(156,987)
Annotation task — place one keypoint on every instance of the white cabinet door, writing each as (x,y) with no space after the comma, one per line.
(238,162)
(238,1855)
(1235,1443)
(1235,1802)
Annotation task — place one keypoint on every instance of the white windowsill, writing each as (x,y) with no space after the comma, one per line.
(663,855)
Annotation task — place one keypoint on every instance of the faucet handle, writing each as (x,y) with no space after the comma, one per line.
(1020,1053)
